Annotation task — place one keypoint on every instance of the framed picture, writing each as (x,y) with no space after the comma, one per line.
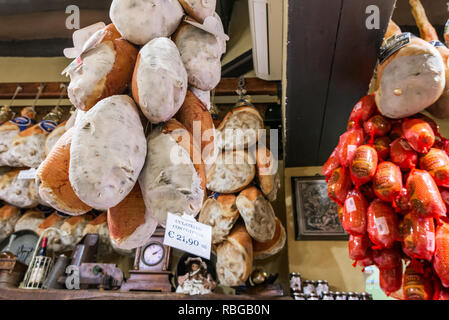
(316,215)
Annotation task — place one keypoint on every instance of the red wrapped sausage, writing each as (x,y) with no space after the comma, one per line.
(382,224)
(390,280)
(416,285)
(418,236)
(387,258)
(338,185)
(377,126)
(358,247)
(436,162)
(367,191)
(331,164)
(363,165)
(419,134)
(435,127)
(362,111)
(425,198)
(347,145)
(354,213)
(367,261)
(445,196)
(402,154)
(441,256)
(396,131)
(401,203)
(382,146)
(387,182)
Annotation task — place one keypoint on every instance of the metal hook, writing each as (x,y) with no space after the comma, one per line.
(64,90)
(18,89)
(39,92)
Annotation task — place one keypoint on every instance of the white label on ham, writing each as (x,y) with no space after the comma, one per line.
(393,44)
(29,174)
(350,205)
(381,225)
(185,233)
(430,241)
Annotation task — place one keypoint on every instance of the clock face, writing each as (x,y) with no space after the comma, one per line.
(153,254)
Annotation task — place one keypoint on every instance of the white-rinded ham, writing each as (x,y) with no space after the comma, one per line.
(131,225)
(107,152)
(28,146)
(201,53)
(410,80)
(102,71)
(140,21)
(160,80)
(258,214)
(170,181)
(440,108)
(54,136)
(199,9)
(31,220)
(21,193)
(8,218)
(10,129)
(241,128)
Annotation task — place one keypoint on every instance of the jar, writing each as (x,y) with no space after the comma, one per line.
(298,296)
(295,291)
(321,287)
(295,281)
(352,296)
(365,296)
(340,296)
(327,296)
(308,287)
(313,296)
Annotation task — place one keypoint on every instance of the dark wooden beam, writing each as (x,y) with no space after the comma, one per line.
(238,66)
(226,87)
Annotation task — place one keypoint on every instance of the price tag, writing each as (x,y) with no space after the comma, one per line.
(382,226)
(186,234)
(350,205)
(29,174)
(430,241)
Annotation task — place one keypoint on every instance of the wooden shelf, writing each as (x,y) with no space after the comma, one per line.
(226,87)
(24,294)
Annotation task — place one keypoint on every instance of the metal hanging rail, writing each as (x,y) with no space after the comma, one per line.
(52,90)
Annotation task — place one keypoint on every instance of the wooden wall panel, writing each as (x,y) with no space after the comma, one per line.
(330,59)
(355,57)
(312,31)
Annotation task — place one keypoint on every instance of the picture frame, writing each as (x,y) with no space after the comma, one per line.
(315,214)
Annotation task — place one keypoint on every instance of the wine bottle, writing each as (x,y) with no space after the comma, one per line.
(7,254)
(38,271)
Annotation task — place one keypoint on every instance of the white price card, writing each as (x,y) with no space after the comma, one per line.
(29,174)
(185,233)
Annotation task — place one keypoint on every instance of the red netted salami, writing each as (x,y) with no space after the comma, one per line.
(339,184)
(387,182)
(377,126)
(396,131)
(354,213)
(418,236)
(419,134)
(382,226)
(402,154)
(382,146)
(358,247)
(390,280)
(367,191)
(362,111)
(387,258)
(348,144)
(425,198)
(331,164)
(401,203)
(363,165)
(441,256)
(416,285)
(436,162)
